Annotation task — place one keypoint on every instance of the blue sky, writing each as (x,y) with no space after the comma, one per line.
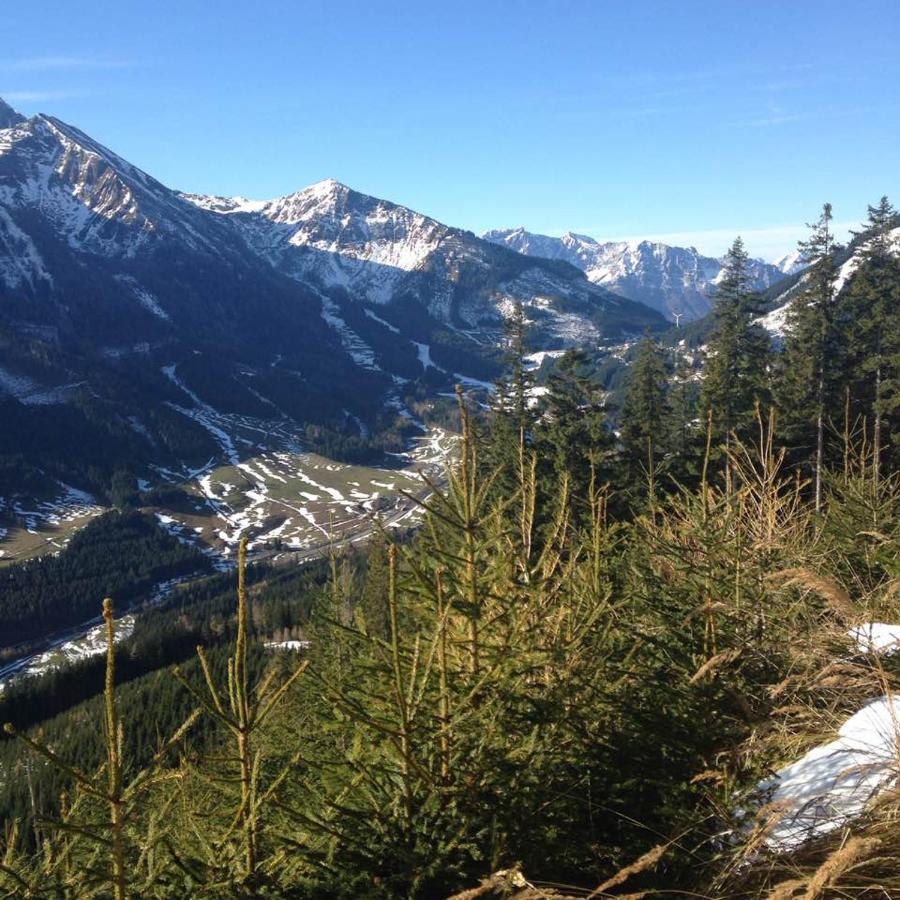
(685,121)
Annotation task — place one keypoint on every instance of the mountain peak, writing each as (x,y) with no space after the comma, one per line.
(327,184)
(573,237)
(323,190)
(8,116)
(791,263)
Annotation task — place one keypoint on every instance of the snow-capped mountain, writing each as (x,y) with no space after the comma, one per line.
(324,308)
(378,252)
(95,204)
(91,197)
(791,263)
(673,280)
(335,236)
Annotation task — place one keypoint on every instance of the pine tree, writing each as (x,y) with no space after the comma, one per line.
(870,318)
(519,378)
(645,414)
(811,363)
(571,435)
(684,431)
(373,601)
(739,352)
(512,416)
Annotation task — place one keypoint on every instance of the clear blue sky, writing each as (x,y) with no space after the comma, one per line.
(689,121)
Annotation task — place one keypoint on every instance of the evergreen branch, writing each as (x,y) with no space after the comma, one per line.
(76,775)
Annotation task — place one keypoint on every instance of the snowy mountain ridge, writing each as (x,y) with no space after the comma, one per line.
(332,236)
(352,241)
(97,202)
(325,236)
(791,263)
(673,280)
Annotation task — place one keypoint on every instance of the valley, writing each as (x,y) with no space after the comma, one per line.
(278,497)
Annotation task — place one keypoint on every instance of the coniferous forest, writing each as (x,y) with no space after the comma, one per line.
(577,678)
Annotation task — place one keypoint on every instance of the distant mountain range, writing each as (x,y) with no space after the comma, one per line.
(672,280)
(134,318)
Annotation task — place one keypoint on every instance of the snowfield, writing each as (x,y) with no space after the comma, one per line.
(45,524)
(286,500)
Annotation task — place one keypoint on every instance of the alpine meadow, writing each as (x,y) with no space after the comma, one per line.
(345,553)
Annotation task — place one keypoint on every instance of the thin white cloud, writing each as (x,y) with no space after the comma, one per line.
(37,96)
(768,121)
(44,63)
(776,115)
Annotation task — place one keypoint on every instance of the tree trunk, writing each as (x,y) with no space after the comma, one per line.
(876,437)
(820,442)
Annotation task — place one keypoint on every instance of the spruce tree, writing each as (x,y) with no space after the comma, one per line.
(373,605)
(571,436)
(645,414)
(739,352)
(870,317)
(512,416)
(811,364)
(684,432)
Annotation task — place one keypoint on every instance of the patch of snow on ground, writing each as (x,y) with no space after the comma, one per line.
(833,783)
(20,262)
(775,322)
(536,360)
(71,504)
(876,637)
(360,352)
(26,390)
(91,643)
(535,393)
(203,414)
(287,645)
(424,352)
(476,383)
(381,321)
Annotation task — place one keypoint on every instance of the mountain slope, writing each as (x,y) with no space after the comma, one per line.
(143,327)
(848,260)
(791,262)
(381,253)
(672,280)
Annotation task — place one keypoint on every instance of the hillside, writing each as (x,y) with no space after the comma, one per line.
(166,332)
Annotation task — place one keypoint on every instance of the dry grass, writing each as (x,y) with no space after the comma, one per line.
(827,588)
(837,864)
(642,864)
